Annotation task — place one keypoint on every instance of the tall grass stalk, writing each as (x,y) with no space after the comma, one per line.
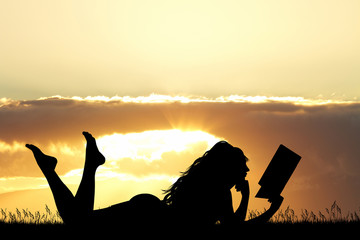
(26,216)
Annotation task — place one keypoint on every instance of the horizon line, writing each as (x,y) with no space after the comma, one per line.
(164,98)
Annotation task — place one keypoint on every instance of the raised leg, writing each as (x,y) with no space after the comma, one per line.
(64,199)
(72,209)
(93,159)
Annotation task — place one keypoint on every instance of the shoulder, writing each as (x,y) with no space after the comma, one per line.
(223,200)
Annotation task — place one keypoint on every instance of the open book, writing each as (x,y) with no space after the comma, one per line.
(278,173)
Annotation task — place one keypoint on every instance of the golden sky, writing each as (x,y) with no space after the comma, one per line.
(255,73)
(207,48)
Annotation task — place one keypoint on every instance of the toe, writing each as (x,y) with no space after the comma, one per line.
(31,147)
(34,149)
(88,136)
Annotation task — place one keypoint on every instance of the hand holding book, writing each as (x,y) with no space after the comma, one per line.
(278,173)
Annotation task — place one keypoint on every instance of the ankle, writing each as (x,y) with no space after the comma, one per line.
(48,173)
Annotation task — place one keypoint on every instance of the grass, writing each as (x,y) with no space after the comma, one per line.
(308,223)
(25,216)
(332,215)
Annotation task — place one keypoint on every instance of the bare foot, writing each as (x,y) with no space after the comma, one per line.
(93,156)
(45,162)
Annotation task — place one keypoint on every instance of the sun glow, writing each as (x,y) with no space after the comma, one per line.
(151,145)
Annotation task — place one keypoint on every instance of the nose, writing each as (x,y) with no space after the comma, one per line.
(247,169)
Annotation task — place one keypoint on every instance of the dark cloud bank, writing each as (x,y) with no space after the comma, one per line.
(326,136)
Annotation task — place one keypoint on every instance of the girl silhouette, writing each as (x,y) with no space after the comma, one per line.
(201,196)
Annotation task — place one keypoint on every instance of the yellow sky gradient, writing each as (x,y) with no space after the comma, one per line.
(206,48)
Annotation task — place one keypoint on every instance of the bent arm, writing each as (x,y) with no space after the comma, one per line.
(239,216)
(231,218)
(240,213)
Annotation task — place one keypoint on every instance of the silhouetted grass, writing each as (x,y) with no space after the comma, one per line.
(332,220)
(331,215)
(25,216)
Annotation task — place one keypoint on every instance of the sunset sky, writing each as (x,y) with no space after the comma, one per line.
(160,82)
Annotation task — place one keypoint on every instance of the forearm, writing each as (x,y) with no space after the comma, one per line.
(240,213)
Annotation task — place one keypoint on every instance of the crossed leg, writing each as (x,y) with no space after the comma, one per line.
(72,209)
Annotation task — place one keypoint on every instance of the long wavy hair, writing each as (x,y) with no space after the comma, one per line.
(221,161)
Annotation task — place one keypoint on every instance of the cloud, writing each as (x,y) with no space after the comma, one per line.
(21,183)
(325,133)
(151,145)
(11,147)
